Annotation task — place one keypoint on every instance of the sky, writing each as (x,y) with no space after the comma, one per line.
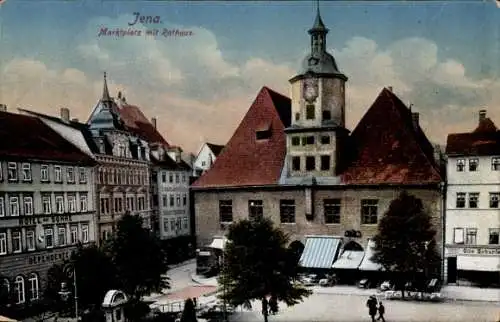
(442,57)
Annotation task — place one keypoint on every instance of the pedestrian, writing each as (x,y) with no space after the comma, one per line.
(372,307)
(273,305)
(381,311)
(265,306)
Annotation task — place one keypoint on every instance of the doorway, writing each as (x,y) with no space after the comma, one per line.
(452,270)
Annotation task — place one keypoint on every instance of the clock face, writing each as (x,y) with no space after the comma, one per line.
(310,89)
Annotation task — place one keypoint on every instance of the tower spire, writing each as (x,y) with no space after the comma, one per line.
(105,91)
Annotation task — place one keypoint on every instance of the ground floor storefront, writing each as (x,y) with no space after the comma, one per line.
(24,278)
(472,265)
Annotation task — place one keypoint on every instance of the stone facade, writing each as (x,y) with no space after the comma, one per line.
(208,223)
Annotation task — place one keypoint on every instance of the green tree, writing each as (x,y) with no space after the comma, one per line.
(405,242)
(138,258)
(189,312)
(95,275)
(257,265)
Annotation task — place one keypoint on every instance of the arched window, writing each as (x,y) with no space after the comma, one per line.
(33,287)
(19,289)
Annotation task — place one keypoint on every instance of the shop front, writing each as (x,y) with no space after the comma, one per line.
(473,265)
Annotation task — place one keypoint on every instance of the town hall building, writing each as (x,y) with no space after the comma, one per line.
(294,161)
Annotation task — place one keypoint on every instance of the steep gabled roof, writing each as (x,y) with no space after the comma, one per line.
(388,149)
(215,148)
(23,136)
(138,124)
(484,140)
(246,161)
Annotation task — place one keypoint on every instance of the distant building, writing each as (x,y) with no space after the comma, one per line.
(47,193)
(171,192)
(123,137)
(206,157)
(294,161)
(472,205)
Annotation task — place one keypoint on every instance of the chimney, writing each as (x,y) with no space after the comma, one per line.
(65,114)
(389,88)
(3,108)
(415,119)
(153,121)
(482,115)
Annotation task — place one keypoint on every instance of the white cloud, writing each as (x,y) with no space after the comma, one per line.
(198,95)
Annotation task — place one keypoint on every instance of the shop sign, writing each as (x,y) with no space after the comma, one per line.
(479,251)
(30,221)
(49,258)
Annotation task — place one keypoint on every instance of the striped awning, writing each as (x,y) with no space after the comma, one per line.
(320,251)
(349,259)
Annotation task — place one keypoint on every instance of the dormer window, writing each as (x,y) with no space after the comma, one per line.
(263,133)
(327,115)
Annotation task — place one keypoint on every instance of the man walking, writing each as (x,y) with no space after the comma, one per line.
(372,307)
(381,311)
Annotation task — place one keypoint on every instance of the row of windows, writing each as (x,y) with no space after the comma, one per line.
(331,210)
(311,113)
(168,200)
(310,163)
(16,240)
(474,164)
(310,140)
(473,200)
(175,224)
(122,176)
(117,204)
(468,236)
(18,293)
(23,172)
(178,177)
(23,204)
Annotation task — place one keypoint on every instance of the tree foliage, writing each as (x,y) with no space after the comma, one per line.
(257,264)
(405,242)
(138,258)
(95,275)
(132,261)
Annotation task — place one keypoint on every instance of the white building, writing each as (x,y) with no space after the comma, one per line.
(472,223)
(206,157)
(46,204)
(171,179)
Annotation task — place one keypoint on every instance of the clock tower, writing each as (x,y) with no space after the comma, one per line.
(317,133)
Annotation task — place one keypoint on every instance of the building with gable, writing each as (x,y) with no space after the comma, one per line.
(472,247)
(294,161)
(47,203)
(206,157)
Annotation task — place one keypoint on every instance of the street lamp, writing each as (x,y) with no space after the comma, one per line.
(65,292)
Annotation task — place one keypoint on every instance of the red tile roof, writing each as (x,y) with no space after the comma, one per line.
(387,149)
(246,161)
(27,137)
(484,140)
(384,148)
(137,123)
